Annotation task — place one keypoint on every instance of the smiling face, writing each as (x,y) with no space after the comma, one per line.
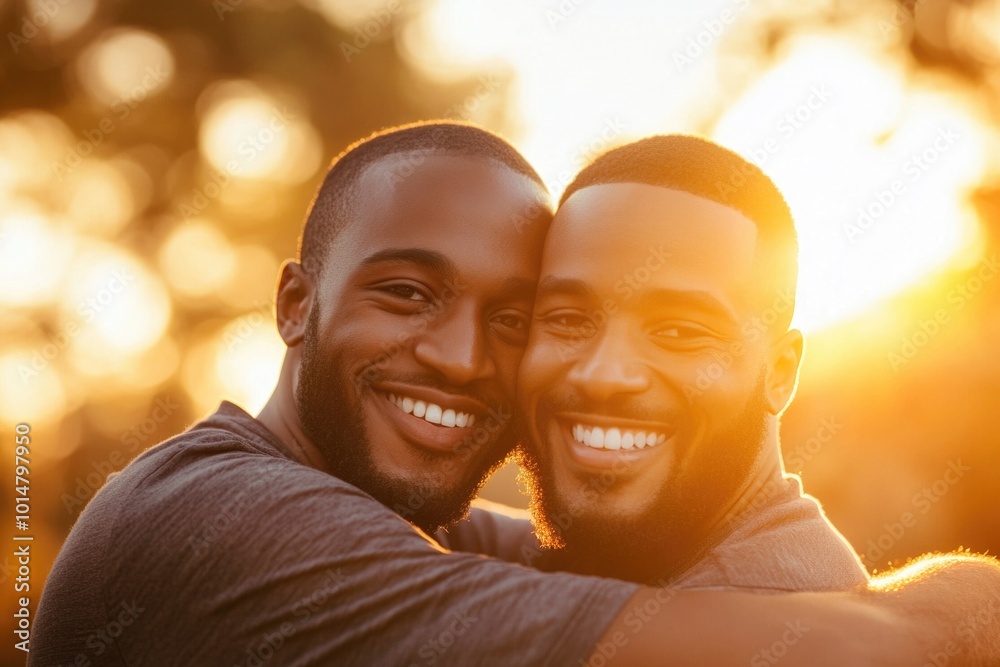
(417,327)
(644,384)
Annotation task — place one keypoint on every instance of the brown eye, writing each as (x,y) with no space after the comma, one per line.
(406,292)
(515,322)
(570,323)
(684,334)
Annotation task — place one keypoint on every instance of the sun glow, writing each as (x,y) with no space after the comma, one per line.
(877,167)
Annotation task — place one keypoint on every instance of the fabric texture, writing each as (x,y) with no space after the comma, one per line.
(776,540)
(780,541)
(217,548)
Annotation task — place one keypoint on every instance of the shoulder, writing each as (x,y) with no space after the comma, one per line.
(784,544)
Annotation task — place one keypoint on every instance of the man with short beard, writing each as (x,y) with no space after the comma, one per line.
(659,360)
(299,537)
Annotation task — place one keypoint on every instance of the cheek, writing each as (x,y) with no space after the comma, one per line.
(540,367)
(722,394)
(723,370)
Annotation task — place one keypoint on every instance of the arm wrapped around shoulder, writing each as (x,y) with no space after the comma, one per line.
(951,605)
(938,610)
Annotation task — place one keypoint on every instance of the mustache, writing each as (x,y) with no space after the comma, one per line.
(491,398)
(617,407)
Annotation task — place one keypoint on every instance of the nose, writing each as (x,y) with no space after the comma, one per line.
(454,344)
(608,366)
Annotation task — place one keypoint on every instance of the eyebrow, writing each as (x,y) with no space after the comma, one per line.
(428,259)
(698,299)
(553,286)
(649,297)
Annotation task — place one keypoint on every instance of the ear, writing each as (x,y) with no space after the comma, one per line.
(783,370)
(293,302)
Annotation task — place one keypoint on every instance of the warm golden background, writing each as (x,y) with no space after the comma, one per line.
(156,159)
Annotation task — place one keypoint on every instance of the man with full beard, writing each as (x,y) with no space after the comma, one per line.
(300,537)
(659,359)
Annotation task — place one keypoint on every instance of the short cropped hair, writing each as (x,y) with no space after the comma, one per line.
(335,203)
(706,169)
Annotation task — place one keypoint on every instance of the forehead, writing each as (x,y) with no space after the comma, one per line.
(468,208)
(605,232)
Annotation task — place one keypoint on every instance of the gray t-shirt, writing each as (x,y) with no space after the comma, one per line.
(777,540)
(217,548)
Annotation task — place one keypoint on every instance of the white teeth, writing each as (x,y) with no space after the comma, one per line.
(597,437)
(616,438)
(613,439)
(432,412)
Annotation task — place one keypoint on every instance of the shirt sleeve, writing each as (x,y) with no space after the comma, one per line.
(271,562)
(494,530)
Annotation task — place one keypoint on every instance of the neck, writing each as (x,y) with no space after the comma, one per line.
(282,419)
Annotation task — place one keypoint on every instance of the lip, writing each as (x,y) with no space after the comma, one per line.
(603,420)
(430,395)
(590,459)
(417,431)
